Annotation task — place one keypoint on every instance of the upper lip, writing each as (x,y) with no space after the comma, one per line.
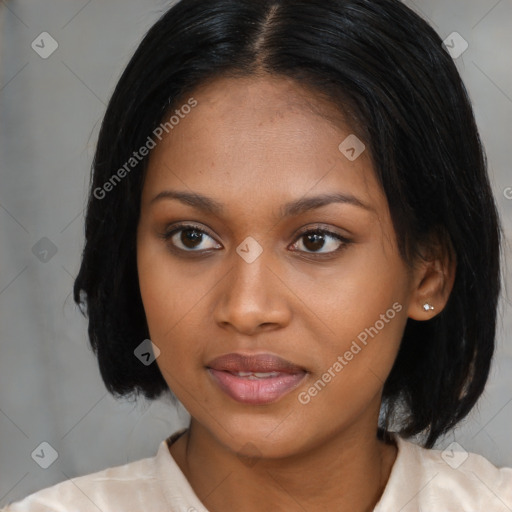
(261,363)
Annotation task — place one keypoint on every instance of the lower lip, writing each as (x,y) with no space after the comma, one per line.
(256,391)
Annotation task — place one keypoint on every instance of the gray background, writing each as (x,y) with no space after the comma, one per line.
(50,110)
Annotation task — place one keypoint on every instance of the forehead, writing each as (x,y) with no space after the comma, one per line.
(267,94)
(251,137)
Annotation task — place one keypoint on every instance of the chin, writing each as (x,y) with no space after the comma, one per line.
(258,435)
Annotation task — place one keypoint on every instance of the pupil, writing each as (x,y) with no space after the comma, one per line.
(317,239)
(193,236)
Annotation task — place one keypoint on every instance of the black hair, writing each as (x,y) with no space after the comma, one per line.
(383,63)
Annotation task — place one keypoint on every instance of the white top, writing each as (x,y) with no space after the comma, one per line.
(421,480)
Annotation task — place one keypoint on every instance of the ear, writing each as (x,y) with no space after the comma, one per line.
(434,275)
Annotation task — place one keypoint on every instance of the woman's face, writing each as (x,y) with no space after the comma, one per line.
(248,280)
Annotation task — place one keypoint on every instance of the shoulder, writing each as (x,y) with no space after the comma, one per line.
(449,480)
(114,488)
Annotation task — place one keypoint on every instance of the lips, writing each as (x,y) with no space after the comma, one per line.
(255,379)
(258,363)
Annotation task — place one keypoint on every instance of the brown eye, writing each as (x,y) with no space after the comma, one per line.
(315,240)
(188,238)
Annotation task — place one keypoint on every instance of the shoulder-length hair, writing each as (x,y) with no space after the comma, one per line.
(386,69)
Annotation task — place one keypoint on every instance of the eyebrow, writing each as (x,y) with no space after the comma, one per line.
(209,205)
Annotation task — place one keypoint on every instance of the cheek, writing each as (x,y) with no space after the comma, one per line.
(358,295)
(171,297)
(364,349)
(166,318)
(365,312)
(160,289)
(355,367)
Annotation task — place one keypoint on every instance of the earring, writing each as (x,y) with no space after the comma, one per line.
(427,307)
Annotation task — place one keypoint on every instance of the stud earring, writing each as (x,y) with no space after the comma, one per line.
(427,307)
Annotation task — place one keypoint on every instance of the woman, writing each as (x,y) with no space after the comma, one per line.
(291,227)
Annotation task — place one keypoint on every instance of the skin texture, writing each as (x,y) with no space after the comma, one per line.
(254,144)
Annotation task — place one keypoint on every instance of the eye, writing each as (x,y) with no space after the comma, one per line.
(191,238)
(188,238)
(315,239)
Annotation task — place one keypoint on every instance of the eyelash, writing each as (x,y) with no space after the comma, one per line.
(317,230)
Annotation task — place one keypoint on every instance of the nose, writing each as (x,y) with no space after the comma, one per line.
(252,296)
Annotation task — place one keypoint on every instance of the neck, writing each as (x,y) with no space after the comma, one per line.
(347,472)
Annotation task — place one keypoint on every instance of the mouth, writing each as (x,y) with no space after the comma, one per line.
(255,379)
